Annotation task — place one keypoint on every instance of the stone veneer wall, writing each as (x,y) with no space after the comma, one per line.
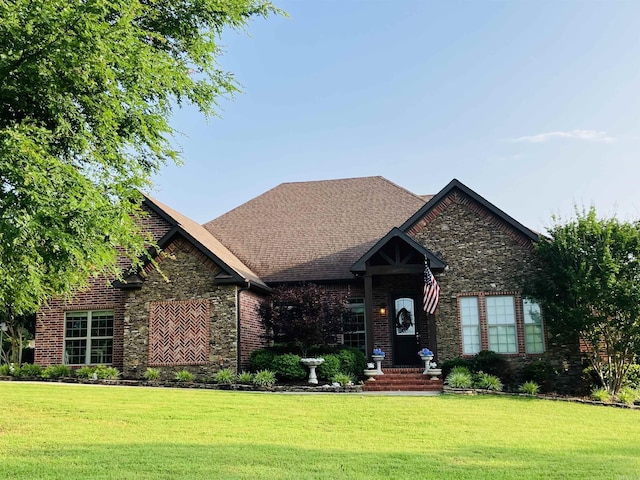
(191,276)
(483,254)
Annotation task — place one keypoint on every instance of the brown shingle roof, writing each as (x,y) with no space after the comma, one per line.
(210,245)
(313,230)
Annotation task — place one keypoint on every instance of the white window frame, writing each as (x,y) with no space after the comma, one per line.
(502,332)
(357,303)
(470,325)
(88,338)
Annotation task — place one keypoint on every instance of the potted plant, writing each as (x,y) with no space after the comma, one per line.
(378,357)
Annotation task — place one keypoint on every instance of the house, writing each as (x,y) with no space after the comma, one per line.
(367,237)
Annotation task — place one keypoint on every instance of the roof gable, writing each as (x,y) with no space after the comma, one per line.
(397,236)
(232,269)
(453,187)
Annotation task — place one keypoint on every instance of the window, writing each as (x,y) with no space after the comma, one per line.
(533,332)
(470,325)
(495,322)
(501,324)
(354,330)
(88,337)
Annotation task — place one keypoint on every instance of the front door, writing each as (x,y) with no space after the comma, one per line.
(405,332)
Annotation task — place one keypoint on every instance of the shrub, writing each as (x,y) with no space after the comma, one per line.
(85,372)
(261,359)
(152,374)
(28,370)
(225,377)
(330,367)
(264,378)
(493,363)
(4,370)
(627,395)
(107,373)
(538,371)
(184,376)
(459,378)
(530,387)
(460,369)
(632,377)
(352,361)
(343,379)
(448,365)
(487,381)
(288,367)
(600,394)
(57,371)
(246,378)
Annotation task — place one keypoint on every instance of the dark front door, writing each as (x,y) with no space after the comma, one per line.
(405,332)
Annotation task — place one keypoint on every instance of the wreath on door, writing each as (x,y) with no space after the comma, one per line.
(403,320)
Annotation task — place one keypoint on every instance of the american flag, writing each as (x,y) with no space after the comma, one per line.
(431,291)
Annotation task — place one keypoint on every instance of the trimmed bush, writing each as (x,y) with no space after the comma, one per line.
(264,378)
(330,367)
(538,371)
(288,367)
(632,377)
(261,359)
(493,363)
(352,361)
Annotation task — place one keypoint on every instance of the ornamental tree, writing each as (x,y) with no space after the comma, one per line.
(589,285)
(305,315)
(87,88)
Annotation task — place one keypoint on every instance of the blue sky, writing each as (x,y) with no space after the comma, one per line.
(533,104)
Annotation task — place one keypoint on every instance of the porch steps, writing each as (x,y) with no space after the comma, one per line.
(403,380)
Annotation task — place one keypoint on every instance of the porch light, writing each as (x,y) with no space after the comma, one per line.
(383,309)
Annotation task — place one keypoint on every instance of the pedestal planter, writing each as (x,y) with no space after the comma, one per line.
(312,363)
(427,363)
(371,374)
(378,359)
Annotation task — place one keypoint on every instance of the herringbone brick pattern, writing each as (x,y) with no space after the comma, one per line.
(179,333)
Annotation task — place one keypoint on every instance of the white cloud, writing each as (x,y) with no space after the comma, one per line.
(588,135)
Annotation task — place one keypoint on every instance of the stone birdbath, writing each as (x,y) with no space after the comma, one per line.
(311,364)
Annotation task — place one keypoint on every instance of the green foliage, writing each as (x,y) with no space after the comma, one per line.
(57,371)
(261,359)
(245,378)
(28,370)
(600,394)
(493,363)
(460,369)
(530,387)
(627,395)
(104,372)
(632,376)
(225,376)
(264,378)
(87,89)
(288,367)
(4,370)
(352,361)
(330,367)
(184,376)
(538,371)
(343,379)
(152,374)
(448,365)
(487,381)
(305,315)
(588,288)
(459,378)
(85,372)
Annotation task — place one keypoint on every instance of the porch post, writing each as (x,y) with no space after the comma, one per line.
(368,315)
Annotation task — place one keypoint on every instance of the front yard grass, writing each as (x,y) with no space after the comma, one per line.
(76,431)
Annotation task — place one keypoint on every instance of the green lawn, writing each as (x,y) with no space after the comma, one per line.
(74,431)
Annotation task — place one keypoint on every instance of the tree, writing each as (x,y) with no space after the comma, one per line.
(304,315)
(86,91)
(589,285)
